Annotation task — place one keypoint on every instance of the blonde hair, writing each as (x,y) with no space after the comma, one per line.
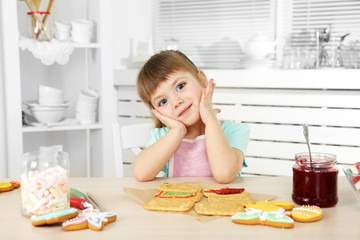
(157,70)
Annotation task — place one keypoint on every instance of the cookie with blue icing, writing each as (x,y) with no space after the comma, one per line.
(54,217)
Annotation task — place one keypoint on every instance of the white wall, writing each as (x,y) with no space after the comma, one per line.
(3,166)
(132,20)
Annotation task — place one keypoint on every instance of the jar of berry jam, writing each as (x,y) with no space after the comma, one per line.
(315,182)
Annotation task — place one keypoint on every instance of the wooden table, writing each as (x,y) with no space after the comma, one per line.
(340,222)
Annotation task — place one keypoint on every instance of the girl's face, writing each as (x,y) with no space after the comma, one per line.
(179,97)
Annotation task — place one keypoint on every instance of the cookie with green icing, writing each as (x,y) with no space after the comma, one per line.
(196,196)
(256,217)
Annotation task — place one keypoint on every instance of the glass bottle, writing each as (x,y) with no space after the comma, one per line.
(44,182)
(315,183)
(39,26)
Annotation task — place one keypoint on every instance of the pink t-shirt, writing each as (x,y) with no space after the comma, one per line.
(190,159)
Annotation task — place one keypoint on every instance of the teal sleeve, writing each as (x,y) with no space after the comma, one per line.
(156,134)
(238,135)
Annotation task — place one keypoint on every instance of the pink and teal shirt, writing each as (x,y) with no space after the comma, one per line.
(191,160)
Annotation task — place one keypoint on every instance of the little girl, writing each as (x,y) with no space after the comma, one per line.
(188,141)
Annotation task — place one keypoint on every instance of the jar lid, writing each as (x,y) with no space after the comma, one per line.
(319,160)
(31,13)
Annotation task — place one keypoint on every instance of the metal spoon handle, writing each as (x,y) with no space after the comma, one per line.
(306,134)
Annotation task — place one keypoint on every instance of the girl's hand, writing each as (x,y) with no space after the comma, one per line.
(169,122)
(206,110)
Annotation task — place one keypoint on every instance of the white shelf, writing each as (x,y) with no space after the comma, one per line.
(86,45)
(29,129)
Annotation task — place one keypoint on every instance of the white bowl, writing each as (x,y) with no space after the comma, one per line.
(51,101)
(89,96)
(86,117)
(85,107)
(62,36)
(63,26)
(79,37)
(82,25)
(47,89)
(48,115)
(35,104)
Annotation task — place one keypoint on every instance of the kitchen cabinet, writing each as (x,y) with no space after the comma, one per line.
(90,66)
(275,103)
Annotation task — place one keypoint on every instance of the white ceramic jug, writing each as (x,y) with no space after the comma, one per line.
(258,46)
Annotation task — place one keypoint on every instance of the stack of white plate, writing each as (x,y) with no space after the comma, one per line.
(82,31)
(86,107)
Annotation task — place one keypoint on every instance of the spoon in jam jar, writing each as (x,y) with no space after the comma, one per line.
(306,134)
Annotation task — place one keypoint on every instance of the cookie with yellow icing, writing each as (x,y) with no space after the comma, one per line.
(6,186)
(264,206)
(255,217)
(307,213)
(283,204)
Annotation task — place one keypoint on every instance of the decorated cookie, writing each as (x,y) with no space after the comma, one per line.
(196,196)
(255,217)
(111,217)
(170,205)
(6,186)
(283,204)
(95,222)
(222,191)
(74,224)
(54,217)
(179,187)
(218,209)
(264,206)
(307,213)
(92,219)
(15,184)
(241,198)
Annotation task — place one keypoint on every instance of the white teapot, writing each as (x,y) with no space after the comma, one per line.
(258,46)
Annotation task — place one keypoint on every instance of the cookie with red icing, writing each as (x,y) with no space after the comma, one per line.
(233,195)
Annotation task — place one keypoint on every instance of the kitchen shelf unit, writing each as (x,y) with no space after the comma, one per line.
(89,66)
(29,129)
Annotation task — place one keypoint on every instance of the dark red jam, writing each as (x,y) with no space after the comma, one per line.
(226,191)
(316,183)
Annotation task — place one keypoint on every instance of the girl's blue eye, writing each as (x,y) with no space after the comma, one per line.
(180,86)
(162,102)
